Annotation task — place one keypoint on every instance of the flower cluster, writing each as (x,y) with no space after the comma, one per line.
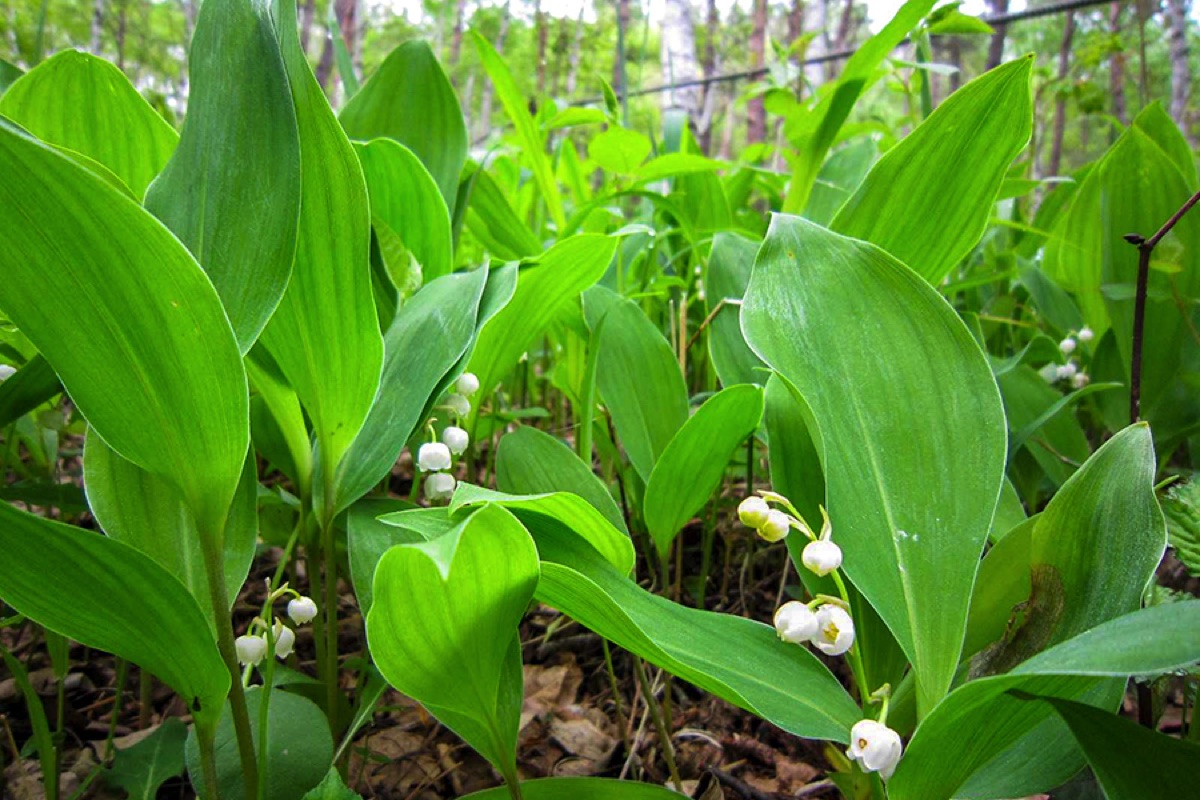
(437,457)
(1070,372)
(252,648)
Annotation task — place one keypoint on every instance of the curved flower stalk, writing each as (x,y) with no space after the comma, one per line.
(436,457)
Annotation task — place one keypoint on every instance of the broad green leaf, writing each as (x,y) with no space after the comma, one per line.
(1027,396)
(638,377)
(9,73)
(404,197)
(324,335)
(543,287)
(107,595)
(917,202)
(729,268)
(530,461)
(146,512)
(693,464)
(840,176)
(940,759)
(332,788)
(1182,509)
(533,146)
(580,789)
(738,660)
(672,165)
(147,353)
(443,627)
(619,150)
(907,418)
(299,748)
(26,389)
(1130,762)
(1156,123)
(81,102)
(368,538)
(818,129)
(275,405)
(1003,583)
(142,768)
(410,99)
(430,334)
(493,222)
(231,191)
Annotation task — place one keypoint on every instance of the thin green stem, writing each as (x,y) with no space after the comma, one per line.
(208,761)
(660,725)
(122,679)
(264,705)
(330,609)
(854,657)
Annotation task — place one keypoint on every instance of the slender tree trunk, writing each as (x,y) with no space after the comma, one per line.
(1181,77)
(708,66)
(1116,74)
(576,55)
(122,21)
(756,114)
(98,25)
(1060,102)
(456,36)
(620,68)
(489,91)
(795,29)
(956,61)
(678,54)
(996,47)
(539,21)
(468,99)
(845,30)
(308,13)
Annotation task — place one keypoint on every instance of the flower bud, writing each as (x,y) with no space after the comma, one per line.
(1067,371)
(459,404)
(776,527)
(875,747)
(250,649)
(456,439)
(1086,334)
(467,384)
(796,623)
(836,633)
(285,640)
(6,372)
(822,556)
(302,610)
(1080,380)
(1067,346)
(753,511)
(433,457)
(439,486)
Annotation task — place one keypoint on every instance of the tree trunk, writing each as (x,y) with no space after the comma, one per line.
(709,68)
(1060,102)
(308,13)
(456,36)
(756,115)
(1180,72)
(620,68)
(539,21)
(98,25)
(576,55)
(996,47)
(845,30)
(1116,73)
(122,20)
(678,54)
(489,91)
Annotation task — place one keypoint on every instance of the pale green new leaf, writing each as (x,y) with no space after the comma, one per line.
(729,267)
(619,150)
(907,419)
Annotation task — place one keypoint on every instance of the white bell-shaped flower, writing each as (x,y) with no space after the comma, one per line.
(753,511)
(433,457)
(1086,334)
(836,634)
(876,747)
(459,404)
(302,610)
(7,371)
(439,486)
(456,439)
(1067,371)
(467,384)
(822,556)
(1067,346)
(777,526)
(285,640)
(1080,380)
(796,623)
(250,649)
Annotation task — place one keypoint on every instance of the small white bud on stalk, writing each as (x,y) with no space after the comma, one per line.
(250,649)
(302,610)
(459,404)
(1067,346)
(1067,371)
(1080,380)
(776,527)
(796,623)
(285,640)
(836,634)
(876,747)
(753,511)
(467,384)
(821,556)
(439,486)
(433,457)
(1086,334)
(6,372)
(456,439)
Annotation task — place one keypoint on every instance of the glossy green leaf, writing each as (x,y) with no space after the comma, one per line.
(231,191)
(738,660)
(840,176)
(299,748)
(56,574)
(81,102)
(494,223)
(907,418)
(729,268)
(917,202)
(638,378)
(580,789)
(332,788)
(324,335)
(533,146)
(691,467)
(405,198)
(9,73)
(147,513)
(443,627)
(1027,397)
(147,353)
(143,767)
(410,99)
(368,538)
(26,389)
(530,461)
(619,150)
(275,405)
(556,278)
(430,334)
